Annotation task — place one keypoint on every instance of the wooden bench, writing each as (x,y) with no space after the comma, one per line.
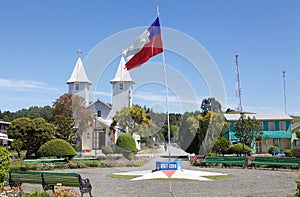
(45,161)
(225,160)
(276,162)
(85,159)
(49,180)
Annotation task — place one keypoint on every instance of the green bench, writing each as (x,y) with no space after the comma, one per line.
(225,160)
(46,161)
(275,162)
(85,159)
(49,180)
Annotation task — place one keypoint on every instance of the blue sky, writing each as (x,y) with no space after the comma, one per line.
(39,40)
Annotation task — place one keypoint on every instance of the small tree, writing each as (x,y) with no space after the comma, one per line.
(127,143)
(57,148)
(247,130)
(221,145)
(239,149)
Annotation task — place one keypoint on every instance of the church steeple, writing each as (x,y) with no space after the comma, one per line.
(122,88)
(79,82)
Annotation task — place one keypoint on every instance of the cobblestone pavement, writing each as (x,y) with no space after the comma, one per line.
(247,182)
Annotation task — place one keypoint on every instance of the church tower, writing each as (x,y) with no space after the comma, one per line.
(122,89)
(78,82)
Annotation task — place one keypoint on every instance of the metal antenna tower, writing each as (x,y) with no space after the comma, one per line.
(238,92)
(284,90)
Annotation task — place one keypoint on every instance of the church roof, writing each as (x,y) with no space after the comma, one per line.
(79,74)
(122,75)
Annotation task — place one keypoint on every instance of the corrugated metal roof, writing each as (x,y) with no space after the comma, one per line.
(235,117)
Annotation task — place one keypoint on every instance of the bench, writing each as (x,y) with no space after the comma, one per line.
(225,160)
(46,161)
(276,162)
(49,180)
(85,159)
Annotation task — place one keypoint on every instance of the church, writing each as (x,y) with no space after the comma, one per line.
(99,134)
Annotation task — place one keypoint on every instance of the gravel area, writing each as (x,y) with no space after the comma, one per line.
(247,182)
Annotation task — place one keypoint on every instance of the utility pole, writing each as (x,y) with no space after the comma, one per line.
(238,92)
(284,90)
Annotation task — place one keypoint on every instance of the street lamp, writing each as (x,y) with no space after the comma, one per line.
(95,137)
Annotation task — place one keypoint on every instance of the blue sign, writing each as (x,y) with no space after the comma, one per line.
(168,165)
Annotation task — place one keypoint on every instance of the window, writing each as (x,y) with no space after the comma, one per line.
(121,86)
(271,126)
(262,125)
(99,113)
(77,86)
(275,142)
(282,125)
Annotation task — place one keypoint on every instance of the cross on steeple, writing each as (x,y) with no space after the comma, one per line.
(79,52)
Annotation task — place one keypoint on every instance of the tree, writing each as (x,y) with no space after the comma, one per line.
(221,145)
(71,117)
(32,132)
(5,163)
(17,145)
(247,130)
(132,120)
(211,104)
(199,131)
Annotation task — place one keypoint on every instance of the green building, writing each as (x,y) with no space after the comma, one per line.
(276,131)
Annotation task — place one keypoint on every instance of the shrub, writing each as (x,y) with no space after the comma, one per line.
(5,162)
(107,150)
(238,149)
(56,148)
(287,152)
(273,149)
(127,143)
(296,152)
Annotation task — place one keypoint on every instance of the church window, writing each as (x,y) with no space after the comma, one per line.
(121,86)
(77,86)
(99,113)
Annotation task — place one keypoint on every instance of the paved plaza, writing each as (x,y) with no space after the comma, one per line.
(247,182)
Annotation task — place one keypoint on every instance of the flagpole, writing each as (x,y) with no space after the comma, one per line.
(167,92)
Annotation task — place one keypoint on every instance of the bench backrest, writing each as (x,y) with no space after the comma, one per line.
(277,159)
(225,158)
(48,178)
(24,176)
(60,178)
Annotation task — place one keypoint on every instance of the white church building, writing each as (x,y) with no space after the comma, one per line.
(100,135)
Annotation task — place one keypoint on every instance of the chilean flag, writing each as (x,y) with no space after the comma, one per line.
(147,45)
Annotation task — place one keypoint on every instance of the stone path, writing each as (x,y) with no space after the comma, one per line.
(247,182)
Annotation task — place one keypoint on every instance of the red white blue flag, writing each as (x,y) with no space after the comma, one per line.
(147,45)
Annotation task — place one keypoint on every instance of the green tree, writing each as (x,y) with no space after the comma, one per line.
(211,104)
(5,163)
(32,132)
(247,130)
(132,120)
(221,145)
(17,145)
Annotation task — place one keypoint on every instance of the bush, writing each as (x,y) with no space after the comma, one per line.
(127,143)
(273,149)
(238,149)
(287,152)
(5,162)
(107,150)
(296,152)
(56,148)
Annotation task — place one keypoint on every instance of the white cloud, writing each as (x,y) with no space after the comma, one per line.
(24,85)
